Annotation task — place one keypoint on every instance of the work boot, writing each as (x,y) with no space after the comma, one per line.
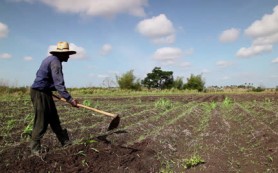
(35,147)
(64,138)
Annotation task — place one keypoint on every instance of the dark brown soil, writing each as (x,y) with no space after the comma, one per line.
(241,137)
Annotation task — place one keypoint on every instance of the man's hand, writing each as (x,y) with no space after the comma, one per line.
(74,103)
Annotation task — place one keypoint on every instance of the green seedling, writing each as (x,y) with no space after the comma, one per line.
(27,131)
(213,105)
(192,161)
(227,102)
(87,103)
(164,104)
(89,141)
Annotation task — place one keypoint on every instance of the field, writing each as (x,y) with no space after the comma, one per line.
(157,133)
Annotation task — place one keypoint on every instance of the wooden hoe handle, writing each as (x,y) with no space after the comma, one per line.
(87,107)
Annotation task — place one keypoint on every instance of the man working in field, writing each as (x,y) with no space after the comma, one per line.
(49,78)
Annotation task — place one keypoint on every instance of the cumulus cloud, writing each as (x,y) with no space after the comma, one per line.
(265,35)
(168,55)
(268,25)
(5,56)
(106,49)
(253,50)
(4,30)
(159,29)
(275,60)
(28,58)
(229,35)
(80,51)
(224,64)
(106,8)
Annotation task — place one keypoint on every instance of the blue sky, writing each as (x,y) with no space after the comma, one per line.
(228,42)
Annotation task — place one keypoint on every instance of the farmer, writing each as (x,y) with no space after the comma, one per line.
(50,78)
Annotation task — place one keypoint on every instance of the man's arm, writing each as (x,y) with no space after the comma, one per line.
(58,79)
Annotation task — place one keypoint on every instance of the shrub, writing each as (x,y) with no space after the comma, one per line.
(195,83)
(128,81)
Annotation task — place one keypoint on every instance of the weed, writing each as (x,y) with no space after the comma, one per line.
(27,131)
(164,104)
(227,102)
(213,105)
(87,103)
(192,161)
(88,142)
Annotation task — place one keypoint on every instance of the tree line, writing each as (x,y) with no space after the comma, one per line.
(160,79)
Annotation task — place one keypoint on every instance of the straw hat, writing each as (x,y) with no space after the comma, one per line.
(63,47)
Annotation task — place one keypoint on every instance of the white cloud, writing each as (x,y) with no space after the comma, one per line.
(5,56)
(106,49)
(106,8)
(224,64)
(80,51)
(267,26)
(275,60)
(168,55)
(4,30)
(229,35)
(28,58)
(253,50)
(159,29)
(265,35)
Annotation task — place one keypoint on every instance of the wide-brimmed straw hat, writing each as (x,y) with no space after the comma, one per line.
(63,47)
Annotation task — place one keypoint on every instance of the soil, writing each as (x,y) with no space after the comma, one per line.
(242,137)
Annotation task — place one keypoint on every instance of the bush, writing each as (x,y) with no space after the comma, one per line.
(128,81)
(258,89)
(195,83)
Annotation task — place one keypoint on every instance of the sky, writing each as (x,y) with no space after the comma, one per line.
(228,42)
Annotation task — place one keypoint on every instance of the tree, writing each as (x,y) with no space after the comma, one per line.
(159,79)
(195,83)
(178,83)
(128,81)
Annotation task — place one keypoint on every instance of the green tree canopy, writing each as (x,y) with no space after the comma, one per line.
(128,81)
(159,79)
(195,83)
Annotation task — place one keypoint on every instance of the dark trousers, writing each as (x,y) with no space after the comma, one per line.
(45,113)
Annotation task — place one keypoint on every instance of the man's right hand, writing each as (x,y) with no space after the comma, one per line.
(74,103)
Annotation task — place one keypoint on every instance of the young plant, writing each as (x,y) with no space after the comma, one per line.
(27,131)
(87,103)
(164,104)
(227,102)
(192,161)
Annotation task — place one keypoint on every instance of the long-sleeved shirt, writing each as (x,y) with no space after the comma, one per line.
(50,77)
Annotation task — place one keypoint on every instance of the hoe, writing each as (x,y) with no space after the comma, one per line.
(113,124)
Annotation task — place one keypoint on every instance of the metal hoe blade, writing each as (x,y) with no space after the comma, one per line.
(114,123)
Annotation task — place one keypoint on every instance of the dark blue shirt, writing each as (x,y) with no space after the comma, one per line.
(50,77)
